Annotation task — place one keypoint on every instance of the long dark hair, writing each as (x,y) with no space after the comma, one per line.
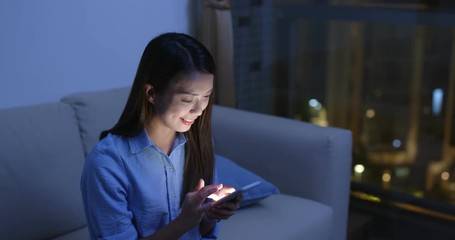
(163,59)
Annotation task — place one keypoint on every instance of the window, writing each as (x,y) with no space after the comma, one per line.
(383,69)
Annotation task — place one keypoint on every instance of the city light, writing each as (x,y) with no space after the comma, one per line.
(386,177)
(396,143)
(358,171)
(370,113)
(402,172)
(445,176)
(359,168)
(314,104)
(438,95)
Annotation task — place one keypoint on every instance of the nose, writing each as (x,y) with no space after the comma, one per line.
(197,108)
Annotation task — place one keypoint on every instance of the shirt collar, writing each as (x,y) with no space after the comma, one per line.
(142,141)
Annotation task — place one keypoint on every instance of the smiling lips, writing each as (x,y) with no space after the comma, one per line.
(187,121)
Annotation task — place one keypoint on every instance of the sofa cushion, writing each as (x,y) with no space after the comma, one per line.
(280,216)
(97,111)
(78,234)
(283,217)
(231,174)
(41,161)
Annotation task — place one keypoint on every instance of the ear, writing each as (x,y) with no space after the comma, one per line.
(149,93)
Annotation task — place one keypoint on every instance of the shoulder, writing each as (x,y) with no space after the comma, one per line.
(108,151)
(104,166)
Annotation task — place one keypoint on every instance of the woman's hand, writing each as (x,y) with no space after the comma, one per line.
(225,210)
(192,213)
(192,208)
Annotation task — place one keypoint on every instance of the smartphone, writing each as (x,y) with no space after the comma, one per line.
(236,193)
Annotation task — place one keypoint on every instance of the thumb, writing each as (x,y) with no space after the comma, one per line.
(200,185)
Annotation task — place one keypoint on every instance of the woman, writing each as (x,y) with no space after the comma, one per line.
(146,177)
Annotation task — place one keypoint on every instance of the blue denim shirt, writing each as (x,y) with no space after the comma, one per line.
(130,189)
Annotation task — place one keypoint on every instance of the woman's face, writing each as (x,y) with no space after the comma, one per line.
(183,102)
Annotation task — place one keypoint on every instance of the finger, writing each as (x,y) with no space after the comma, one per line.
(204,193)
(215,215)
(206,207)
(211,215)
(222,213)
(200,185)
(207,191)
(232,206)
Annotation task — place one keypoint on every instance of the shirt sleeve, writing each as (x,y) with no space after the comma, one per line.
(103,186)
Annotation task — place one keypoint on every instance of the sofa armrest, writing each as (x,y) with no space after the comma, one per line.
(301,159)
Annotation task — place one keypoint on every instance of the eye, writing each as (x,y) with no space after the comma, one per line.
(187,100)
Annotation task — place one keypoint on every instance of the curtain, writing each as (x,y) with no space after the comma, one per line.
(216,33)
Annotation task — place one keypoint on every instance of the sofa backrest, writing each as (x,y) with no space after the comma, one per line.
(41,159)
(97,111)
(315,160)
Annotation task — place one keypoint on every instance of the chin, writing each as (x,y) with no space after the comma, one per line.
(183,129)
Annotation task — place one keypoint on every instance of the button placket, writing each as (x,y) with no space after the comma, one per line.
(171,181)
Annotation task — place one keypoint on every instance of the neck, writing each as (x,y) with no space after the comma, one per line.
(162,138)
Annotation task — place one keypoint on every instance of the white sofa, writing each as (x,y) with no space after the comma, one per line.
(43,148)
